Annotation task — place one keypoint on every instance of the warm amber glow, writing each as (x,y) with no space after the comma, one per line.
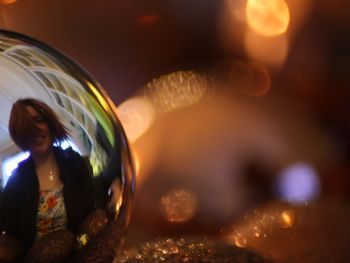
(178,205)
(136,163)
(7,2)
(250,78)
(287,218)
(239,241)
(116,201)
(257,231)
(136,116)
(268,17)
(270,51)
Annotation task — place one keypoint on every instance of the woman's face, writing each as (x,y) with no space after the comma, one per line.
(42,141)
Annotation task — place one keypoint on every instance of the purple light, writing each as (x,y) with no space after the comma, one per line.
(298,183)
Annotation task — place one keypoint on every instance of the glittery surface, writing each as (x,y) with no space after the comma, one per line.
(11,249)
(56,246)
(310,233)
(93,224)
(186,249)
(177,90)
(103,247)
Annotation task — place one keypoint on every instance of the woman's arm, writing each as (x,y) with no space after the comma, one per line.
(85,179)
(9,208)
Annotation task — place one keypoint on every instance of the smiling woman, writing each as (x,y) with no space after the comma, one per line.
(53,188)
(47,200)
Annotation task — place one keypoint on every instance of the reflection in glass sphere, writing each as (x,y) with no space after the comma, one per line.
(29,68)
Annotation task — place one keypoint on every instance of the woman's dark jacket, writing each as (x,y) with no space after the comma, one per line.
(19,204)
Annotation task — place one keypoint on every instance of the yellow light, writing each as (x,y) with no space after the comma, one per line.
(116,201)
(257,231)
(287,218)
(136,163)
(268,17)
(107,106)
(239,241)
(271,51)
(100,97)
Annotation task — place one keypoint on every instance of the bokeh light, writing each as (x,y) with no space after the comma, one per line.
(178,205)
(260,225)
(186,249)
(268,17)
(177,90)
(271,51)
(294,233)
(287,218)
(298,183)
(239,241)
(250,78)
(136,115)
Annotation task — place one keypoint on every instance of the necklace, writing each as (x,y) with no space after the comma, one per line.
(47,169)
(51,175)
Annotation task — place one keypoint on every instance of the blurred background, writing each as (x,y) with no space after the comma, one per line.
(228,105)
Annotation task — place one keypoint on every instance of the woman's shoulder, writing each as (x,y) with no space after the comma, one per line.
(25,164)
(67,152)
(70,159)
(22,167)
(17,179)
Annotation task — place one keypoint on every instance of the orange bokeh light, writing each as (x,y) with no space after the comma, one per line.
(136,115)
(268,17)
(178,205)
(136,160)
(287,219)
(250,78)
(271,51)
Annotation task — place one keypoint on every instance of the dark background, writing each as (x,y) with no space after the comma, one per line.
(125,44)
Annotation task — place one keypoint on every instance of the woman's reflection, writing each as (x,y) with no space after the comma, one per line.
(53,188)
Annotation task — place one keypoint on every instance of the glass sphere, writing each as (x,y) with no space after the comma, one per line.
(30,68)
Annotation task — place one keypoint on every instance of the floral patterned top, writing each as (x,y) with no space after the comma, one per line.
(51,211)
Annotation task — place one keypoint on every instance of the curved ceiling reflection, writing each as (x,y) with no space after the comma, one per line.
(30,68)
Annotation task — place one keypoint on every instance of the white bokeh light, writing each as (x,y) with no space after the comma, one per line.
(136,115)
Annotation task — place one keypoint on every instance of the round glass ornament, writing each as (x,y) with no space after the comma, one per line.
(30,68)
